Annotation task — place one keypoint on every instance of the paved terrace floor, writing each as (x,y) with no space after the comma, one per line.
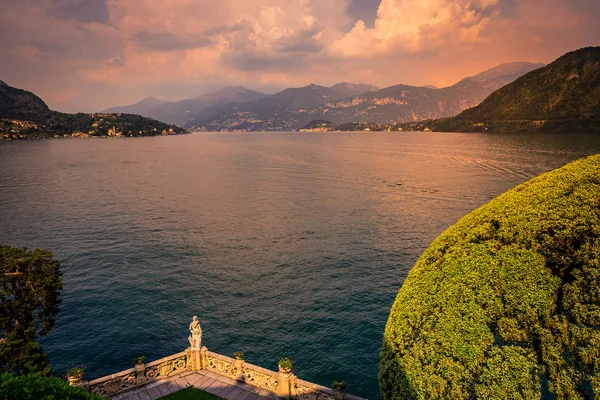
(210,382)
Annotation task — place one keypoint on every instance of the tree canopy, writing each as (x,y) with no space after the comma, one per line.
(505,303)
(30,285)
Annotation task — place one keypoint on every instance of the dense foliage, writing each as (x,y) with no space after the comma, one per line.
(34,387)
(30,285)
(319,124)
(23,115)
(505,303)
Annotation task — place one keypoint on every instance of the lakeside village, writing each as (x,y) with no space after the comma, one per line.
(326,126)
(14,129)
(95,125)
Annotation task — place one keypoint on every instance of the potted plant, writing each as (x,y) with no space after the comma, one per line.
(239,362)
(75,374)
(285,365)
(139,360)
(340,388)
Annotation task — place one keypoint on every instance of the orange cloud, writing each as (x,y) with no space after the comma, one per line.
(413,26)
(180,48)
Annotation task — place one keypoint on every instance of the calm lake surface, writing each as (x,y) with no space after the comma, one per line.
(282,243)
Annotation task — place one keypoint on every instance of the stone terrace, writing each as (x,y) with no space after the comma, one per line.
(225,377)
(211,382)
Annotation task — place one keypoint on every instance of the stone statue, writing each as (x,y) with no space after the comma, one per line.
(196,334)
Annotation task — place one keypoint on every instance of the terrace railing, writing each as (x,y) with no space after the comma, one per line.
(281,384)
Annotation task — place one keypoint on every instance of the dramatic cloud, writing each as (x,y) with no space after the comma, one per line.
(414,26)
(84,11)
(364,10)
(166,41)
(85,55)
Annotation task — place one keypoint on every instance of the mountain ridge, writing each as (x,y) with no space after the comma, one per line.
(563,96)
(19,103)
(394,104)
(142,107)
(353,89)
(179,112)
(279,111)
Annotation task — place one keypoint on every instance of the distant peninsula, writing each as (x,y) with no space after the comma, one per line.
(23,115)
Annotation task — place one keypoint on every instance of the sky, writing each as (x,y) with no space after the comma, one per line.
(88,55)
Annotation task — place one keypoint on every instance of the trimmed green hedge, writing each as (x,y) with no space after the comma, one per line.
(35,387)
(506,303)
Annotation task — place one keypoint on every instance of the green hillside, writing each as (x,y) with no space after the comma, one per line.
(506,303)
(23,115)
(21,104)
(563,96)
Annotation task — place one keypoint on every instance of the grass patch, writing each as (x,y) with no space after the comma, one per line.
(191,394)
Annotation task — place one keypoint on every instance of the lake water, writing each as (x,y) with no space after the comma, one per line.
(282,243)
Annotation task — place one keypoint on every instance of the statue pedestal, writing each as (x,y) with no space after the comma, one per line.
(197,356)
(76,381)
(239,363)
(140,373)
(283,385)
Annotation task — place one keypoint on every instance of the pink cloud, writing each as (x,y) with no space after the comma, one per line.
(183,47)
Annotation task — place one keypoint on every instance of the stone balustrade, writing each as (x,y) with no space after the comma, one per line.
(280,384)
(140,375)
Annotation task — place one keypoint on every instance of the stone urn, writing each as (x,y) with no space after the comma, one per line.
(340,389)
(75,380)
(285,370)
(140,369)
(285,365)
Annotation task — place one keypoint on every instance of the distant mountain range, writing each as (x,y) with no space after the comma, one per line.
(294,108)
(282,111)
(241,109)
(23,115)
(563,96)
(184,111)
(409,103)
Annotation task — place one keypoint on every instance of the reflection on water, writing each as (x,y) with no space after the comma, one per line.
(283,244)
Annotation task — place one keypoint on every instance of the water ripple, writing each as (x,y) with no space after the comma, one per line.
(283,244)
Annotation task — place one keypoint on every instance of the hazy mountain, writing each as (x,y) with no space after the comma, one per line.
(402,103)
(503,74)
(563,96)
(24,115)
(180,112)
(394,104)
(281,111)
(143,107)
(353,89)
